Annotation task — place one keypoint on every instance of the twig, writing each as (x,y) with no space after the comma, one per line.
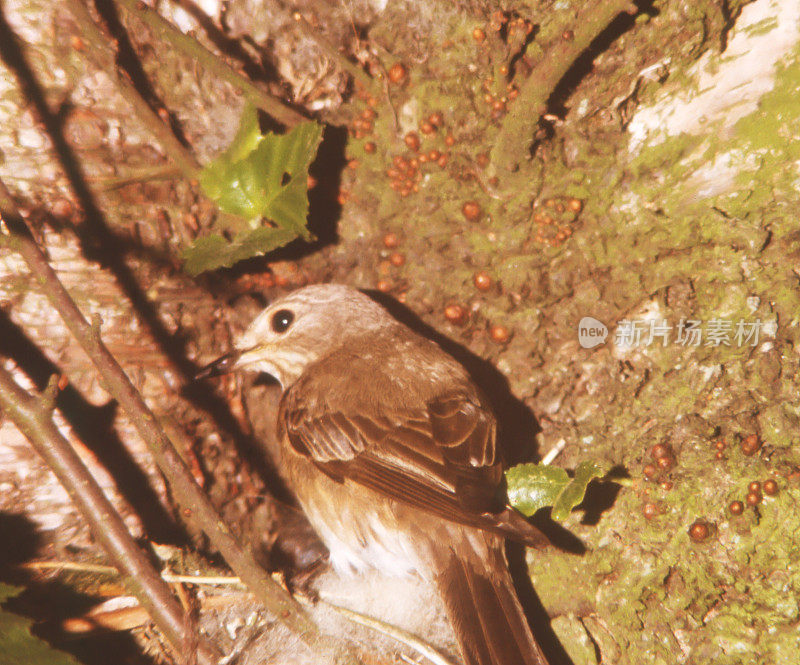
(99,50)
(173,578)
(33,417)
(194,49)
(519,126)
(554,452)
(190,498)
(146,174)
(402,636)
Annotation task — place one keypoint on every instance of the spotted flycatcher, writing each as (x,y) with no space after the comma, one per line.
(390,449)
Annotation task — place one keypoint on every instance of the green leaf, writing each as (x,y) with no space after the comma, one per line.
(216,252)
(575,489)
(535,486)
(18,645)
(260,176)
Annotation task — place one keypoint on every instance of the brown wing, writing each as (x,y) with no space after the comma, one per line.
(440,458)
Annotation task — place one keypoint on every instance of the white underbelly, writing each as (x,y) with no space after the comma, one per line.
(359,542)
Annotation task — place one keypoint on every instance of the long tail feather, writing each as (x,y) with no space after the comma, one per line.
(479,596)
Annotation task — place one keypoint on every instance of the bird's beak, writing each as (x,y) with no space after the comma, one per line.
(222,365)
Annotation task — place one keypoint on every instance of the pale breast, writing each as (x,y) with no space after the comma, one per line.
(358,526)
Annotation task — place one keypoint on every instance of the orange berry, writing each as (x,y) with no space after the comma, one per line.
(398,73)
(575,205)
(456,314)
(412,141)
(369,147)
(397,259)
(390,240)
(750,445)
(649,510)
(449,140)
(736,507)
(383,286)
(436,118)
(660,450)
(753,498)
(482,281)
(434,155)
(665,463)
(427,127)
(471,211)
(699,531)
(478,35)
(770,487)
(499,334)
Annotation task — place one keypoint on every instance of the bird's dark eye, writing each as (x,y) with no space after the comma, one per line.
(281,320)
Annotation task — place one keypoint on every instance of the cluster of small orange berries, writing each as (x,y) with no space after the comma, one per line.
(363,125)
(281,274)
(553,218)
(514,31)
(458,315)
(406,170)
(499,102)
(700,529)
(514,26)
(749,445)
(754,495)
(393,259)
(454,312)
(663,460)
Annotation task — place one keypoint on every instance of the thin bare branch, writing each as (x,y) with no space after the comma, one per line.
(192,501)
(33,417)
(283,113)
(100,51)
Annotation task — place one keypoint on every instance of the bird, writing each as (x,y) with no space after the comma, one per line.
(391,451)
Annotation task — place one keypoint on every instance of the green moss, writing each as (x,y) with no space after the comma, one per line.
(650,232)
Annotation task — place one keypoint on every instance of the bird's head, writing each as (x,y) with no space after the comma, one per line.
(299,329)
